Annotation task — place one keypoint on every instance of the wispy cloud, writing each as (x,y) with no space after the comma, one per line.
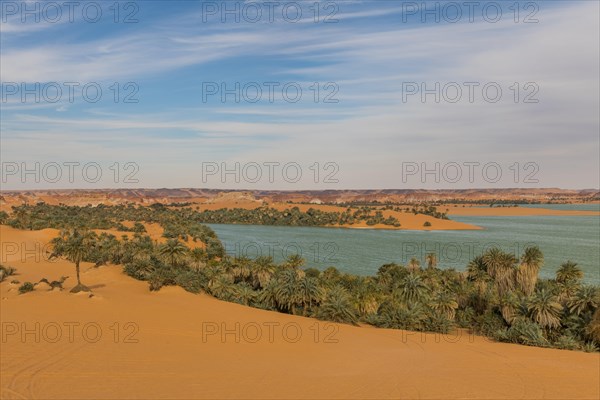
(369,55)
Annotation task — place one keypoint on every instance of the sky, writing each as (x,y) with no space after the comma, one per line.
(299,95)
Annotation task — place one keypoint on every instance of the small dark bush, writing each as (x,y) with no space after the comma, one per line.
(26,287)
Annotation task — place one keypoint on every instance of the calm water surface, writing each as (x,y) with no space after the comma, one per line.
(363,251)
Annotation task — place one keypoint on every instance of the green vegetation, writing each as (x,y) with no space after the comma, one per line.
(5,272)
(498,295)
(26,287)
(294,217)
(76,247)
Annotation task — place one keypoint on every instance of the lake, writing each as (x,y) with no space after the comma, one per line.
(363,251)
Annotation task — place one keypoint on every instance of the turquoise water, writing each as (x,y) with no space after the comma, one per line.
(580,207)
(363,251)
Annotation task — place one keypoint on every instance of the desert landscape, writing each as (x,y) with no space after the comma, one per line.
(174,344)
(302,200)
(196,336)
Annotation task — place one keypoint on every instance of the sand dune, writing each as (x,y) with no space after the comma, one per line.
(169,344)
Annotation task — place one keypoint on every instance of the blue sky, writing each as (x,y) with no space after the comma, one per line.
(362,57)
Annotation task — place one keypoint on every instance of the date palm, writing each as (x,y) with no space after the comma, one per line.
(569,272)
(545,309)
(501,267)
(445,303)
(412,289)
(198,257)
(586,298)
(244,294)
(529,268)
(220,286)
(294,261)
(593,329)
(510,306)
(286,291)
(173,251)
(414,264)
(337,307)
(75,246)
(368,297)
(431,260)
(241,269)
(267,298)
(262,271)
(477,273)
(310,293)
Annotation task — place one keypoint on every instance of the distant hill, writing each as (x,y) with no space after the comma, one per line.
(199,195)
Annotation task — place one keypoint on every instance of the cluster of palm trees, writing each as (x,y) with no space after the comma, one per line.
(294,217)
(561,312)
(498,295)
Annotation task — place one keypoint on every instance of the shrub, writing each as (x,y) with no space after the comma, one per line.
(589,347)
(567,342)
(5,272)
(162,276)
(489,323)
(438,323)
(527,332)
(141,269)
(312,272)
(26,287)
(191,281)
(427,223)
(465,317)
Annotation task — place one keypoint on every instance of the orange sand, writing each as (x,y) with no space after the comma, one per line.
(512,211)
(164,354)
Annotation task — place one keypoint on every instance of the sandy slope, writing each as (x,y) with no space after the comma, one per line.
(170,354)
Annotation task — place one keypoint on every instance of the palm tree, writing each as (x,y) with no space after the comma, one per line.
(337,307)
(431,259)
(477,273)
(501,267)
(569,272)
(566,289)
(173,251)
(367,297)
(267,296)
(262,271)
(510,305)
(593,329)
(75,246)
(586,298)
(412,288)
(310,293)
(244,294)
(220,286)
(414,264)
(287,293)
(198,257)
(241,269)
(445,303)
(545,309)
(294,261)
(527,273)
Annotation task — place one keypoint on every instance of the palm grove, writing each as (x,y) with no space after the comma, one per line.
(497,295)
